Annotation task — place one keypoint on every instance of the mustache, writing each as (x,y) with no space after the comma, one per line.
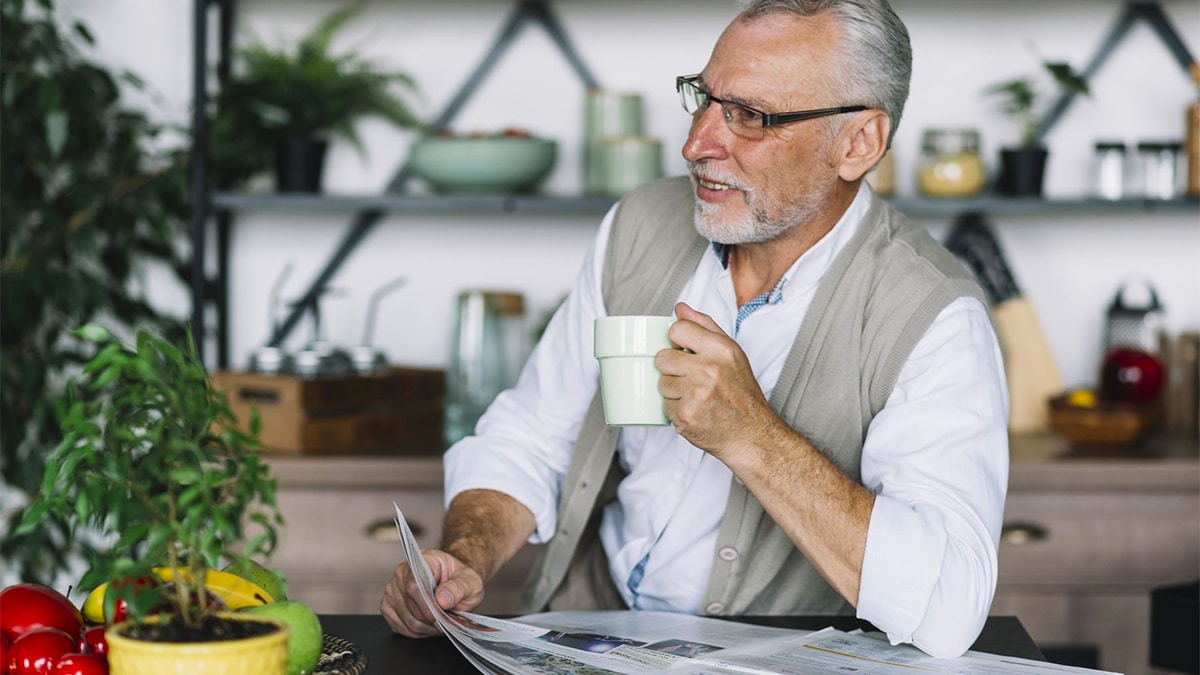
(702,171)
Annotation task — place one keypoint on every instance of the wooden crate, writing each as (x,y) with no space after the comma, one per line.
(397,411)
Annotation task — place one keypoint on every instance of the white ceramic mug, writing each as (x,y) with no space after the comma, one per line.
(625,347)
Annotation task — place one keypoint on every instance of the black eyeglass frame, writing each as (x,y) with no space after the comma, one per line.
(768,119)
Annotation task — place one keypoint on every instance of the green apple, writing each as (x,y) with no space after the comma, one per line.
(267,579)
(304,643)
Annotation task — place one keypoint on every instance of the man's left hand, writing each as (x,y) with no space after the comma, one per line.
(711,395)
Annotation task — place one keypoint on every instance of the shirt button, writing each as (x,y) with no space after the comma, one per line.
(728,554)
(714,608)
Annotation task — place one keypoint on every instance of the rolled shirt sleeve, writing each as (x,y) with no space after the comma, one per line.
(929,570)
(523,442)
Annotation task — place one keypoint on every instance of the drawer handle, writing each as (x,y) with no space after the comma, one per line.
(1020,534)
(384,529)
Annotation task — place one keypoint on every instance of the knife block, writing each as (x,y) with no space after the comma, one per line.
(397,411)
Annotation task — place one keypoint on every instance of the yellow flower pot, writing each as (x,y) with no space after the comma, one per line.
(261,655)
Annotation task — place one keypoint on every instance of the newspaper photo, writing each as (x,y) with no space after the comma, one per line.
(632,642)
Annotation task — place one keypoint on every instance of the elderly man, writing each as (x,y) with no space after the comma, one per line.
(837,440)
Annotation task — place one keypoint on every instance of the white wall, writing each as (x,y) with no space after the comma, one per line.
(1069,265)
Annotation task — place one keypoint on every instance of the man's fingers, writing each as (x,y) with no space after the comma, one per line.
(684,312)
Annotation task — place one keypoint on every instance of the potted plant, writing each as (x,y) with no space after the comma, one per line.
(288,104)
(1022,167)
(69,255)
(153,460)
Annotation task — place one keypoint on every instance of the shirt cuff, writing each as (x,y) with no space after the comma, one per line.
(901,566)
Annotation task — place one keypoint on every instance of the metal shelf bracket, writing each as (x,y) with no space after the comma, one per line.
(525,12)
(1150,12)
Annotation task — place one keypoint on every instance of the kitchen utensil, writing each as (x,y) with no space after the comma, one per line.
(1028,364)
(320,357)
(488,347)
(1135,324)
(267,359)
(366,358)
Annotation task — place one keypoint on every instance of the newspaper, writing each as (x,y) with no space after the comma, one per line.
(633,642)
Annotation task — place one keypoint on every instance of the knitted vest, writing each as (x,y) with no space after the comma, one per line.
(881,293)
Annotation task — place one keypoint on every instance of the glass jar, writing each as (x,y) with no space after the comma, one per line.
(1157,175)
(1108,170)
(950,165)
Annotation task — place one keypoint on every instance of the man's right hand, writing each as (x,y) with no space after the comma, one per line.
(458,587)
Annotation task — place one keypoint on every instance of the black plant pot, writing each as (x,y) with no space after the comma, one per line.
(1021,171)
(299,163)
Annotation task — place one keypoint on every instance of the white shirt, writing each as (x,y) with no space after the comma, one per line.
(936,456)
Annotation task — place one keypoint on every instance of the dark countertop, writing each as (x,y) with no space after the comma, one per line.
(387,652)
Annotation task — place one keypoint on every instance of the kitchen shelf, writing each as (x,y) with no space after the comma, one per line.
(565,204)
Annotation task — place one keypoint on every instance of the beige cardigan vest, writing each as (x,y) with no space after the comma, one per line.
(875,302)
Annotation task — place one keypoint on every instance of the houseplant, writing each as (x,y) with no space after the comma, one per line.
(288,104)
(1022,167)
(152,458)
(91,197)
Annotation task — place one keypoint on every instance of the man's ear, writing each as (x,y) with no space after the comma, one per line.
(864,142)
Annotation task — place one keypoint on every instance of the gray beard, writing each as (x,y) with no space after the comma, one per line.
(757,226)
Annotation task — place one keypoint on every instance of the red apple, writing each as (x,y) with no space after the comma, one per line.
(1130,376)
(24,607)
(94,642)
(4,653)
(35,651)
(80,664)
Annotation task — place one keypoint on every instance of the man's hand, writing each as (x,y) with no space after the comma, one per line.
(711,394)
(458,587)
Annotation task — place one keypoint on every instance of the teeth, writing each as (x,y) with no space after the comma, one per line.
(713,186)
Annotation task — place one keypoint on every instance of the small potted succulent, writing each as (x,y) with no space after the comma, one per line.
(1022,167)
(289,103)
(153,461)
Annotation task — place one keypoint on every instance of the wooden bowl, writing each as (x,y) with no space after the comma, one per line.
(1104,422)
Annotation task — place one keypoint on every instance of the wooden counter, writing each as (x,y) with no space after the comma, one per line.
(1087,535)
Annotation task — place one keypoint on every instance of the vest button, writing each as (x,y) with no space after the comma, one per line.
(714,608)
(728,554)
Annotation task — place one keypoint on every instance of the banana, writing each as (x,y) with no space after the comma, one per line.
(93,605)
(233,590)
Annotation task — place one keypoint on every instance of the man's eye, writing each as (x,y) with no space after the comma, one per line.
(744,116)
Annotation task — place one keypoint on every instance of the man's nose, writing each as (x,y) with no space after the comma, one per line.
(709,135)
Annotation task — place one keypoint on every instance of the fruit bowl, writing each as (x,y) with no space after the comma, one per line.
(1101,422)
(474,164)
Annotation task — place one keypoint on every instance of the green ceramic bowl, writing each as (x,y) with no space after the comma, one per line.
(483,165)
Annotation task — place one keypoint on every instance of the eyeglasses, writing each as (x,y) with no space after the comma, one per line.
(741,119)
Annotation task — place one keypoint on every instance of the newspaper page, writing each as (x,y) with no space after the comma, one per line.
(634,642)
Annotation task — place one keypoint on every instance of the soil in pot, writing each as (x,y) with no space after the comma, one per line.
(212,629)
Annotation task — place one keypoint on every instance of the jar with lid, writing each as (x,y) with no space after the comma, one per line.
(1108,170)
(950,165)
(1157,175)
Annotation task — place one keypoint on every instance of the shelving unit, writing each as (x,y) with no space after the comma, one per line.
(913,206)
(368,210)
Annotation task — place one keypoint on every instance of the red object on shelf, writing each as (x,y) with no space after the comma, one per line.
(1131,375)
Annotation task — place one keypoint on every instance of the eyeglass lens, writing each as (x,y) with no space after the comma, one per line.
(741,120)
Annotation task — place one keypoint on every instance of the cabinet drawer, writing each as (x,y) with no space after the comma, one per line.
(349,534)
(1086,539)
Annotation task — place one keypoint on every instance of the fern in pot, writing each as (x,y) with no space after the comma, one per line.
(152,459)
(290,103)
